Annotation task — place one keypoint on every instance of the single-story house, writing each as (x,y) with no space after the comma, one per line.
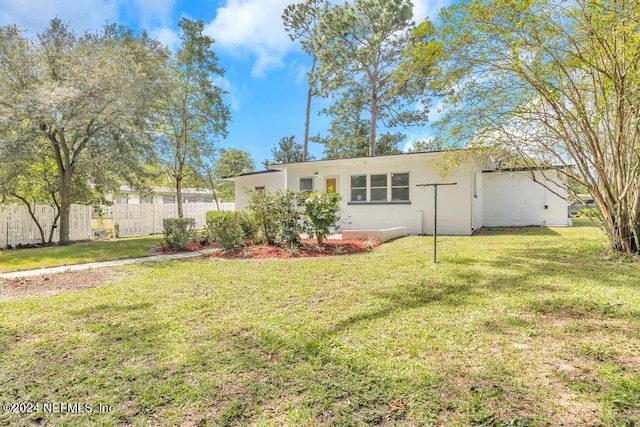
(390,191)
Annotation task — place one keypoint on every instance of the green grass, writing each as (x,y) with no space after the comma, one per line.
(513,327)
(76,253)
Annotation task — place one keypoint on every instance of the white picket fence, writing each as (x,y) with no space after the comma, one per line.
(143,219)
(18,228)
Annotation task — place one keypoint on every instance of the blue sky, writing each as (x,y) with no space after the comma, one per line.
(264,70)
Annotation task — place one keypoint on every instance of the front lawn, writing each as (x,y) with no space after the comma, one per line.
(77,253)
(533,327)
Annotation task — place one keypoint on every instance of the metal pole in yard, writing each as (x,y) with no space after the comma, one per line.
(435,222)
(435,214)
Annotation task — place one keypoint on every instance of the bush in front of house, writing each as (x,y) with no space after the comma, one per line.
(179,232)
(323,212)
(230,229)
(278,215)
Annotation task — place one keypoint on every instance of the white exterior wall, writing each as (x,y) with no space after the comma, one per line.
(271,181)
(514,199)
(455,203)
(477,200)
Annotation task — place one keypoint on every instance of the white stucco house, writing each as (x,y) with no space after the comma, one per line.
(385,192)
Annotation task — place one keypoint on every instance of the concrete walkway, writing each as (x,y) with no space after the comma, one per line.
(101,264)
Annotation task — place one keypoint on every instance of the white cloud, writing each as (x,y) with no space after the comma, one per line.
(151,13)
(254,27)
(35,15)
(235,93)
(82,15)
(167,37)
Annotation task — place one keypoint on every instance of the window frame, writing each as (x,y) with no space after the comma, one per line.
(389,189)
(309,179)
(393,187)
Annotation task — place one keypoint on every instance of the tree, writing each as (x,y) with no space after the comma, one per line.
(362,47)
(556,82)
(288,151)
(323,212)
(232,162)
(195,115)
(349,132)
(301,23)
(433,144)
(88,100)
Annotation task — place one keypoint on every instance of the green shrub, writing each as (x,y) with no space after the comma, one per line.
(323,212)
(263,207)
(225,228)
(290,217)
(278,215)
(179,232)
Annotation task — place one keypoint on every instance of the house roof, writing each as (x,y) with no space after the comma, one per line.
(252,173)
(524,169)
(347,159)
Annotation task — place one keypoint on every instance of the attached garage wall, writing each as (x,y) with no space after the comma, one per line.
(514,199)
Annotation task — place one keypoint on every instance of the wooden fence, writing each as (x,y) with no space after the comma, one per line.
(138,220)
(18,228)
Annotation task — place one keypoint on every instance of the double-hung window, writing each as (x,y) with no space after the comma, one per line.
(359,188)
(399,187)
(380,188)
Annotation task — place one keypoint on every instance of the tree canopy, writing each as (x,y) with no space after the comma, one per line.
(232,162)
(557,83)
(362,47)
(88,100)
(289,151)
(301,22)
(194,115)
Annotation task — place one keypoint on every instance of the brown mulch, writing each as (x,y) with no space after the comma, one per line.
(308,248)
(51,284)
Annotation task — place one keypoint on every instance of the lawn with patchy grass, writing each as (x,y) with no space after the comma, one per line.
(535,326)
(77,253)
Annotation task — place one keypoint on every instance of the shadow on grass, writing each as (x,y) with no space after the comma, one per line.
(510,231)
(314,370)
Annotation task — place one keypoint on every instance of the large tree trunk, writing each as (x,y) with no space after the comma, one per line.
(374,112)
(179,196)
(305,147)
(65,207)
(372,136)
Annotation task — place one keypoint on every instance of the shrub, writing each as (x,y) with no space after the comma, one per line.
(323,212)
(278,215)
(290,217)
(263,207)
(179,232)
(225,228)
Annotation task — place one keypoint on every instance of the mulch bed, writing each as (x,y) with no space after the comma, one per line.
(308,248)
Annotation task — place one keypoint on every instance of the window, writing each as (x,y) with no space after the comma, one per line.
(259,188)
(378,188)
(146,200)
(306,184)
(399,187)
(168,199)
(359,188)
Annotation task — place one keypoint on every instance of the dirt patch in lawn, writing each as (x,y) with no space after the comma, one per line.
(308,248)
(51,284)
